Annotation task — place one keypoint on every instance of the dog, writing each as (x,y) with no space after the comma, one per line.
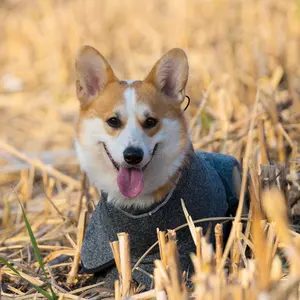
(132,141)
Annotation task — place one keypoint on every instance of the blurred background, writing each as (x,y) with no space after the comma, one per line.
(231,44)
(235,48)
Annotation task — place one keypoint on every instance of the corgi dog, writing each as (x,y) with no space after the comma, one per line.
(132,141)
(132,136)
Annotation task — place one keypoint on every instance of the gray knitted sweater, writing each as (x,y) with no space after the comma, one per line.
(206,187)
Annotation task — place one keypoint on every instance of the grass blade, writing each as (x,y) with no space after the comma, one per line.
(39,289)
(33,242)
(36,249)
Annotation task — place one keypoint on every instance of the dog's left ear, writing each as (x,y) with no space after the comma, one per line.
(170,74)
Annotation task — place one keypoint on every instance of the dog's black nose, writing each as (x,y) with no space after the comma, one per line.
(133,156)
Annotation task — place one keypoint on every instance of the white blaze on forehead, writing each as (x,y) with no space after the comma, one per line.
(131,106)
(129,81)
(130,100)
(132,134)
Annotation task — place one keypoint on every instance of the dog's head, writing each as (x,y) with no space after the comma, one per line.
(132,136)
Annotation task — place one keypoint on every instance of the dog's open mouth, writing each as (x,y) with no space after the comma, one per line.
(130,180)
(115,164)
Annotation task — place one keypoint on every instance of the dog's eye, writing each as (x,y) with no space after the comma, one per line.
(114,122)
(150,123)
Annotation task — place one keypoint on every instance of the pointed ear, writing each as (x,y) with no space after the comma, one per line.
(170,74)
(93,73)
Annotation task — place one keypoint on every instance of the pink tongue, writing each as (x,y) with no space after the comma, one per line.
(130,181)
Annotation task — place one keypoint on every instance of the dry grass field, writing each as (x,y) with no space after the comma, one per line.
(244,87)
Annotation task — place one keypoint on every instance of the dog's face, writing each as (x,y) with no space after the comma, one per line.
(131,136)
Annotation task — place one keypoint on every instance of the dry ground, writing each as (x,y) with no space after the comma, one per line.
(237,50)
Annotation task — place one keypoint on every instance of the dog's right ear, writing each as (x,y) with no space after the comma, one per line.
(93,74)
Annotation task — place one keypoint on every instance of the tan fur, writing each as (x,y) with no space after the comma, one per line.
(93,74)
(163,191)
(104,106)
(176,60)
(101,93)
